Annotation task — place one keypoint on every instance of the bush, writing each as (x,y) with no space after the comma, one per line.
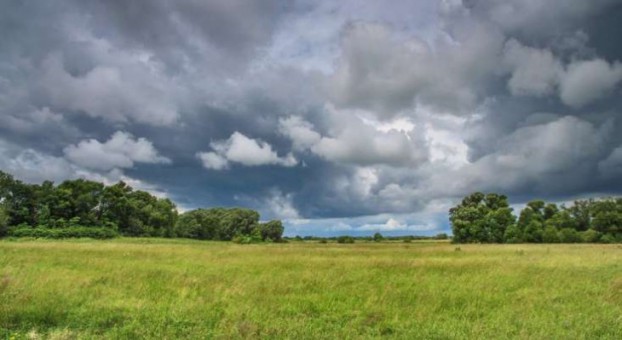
(345,239)
(569,235)
(608,238)
(378,237)
(590,236)
(242,239)
(254,237)
(441,236)
(513,234)
(60,233)
(550,235)
(323,240)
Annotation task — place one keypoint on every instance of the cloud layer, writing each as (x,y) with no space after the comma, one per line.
(338,117)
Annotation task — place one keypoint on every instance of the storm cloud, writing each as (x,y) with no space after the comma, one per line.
(338,117)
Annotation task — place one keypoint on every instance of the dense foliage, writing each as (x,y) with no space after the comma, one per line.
(227,224)
(60,233)
(83,203)
(83,208)
(488,218)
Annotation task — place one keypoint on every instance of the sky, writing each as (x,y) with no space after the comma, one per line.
(337,117)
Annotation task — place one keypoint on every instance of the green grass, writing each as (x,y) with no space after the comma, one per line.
(154,288)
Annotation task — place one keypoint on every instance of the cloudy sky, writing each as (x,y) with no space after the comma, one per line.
(339,117)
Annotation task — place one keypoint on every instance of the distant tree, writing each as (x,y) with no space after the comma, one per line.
(513,234)
(550,235)
(345,239)
(223,224)
(378,237)
(568,235)
(272,231)
(4,220)
(591,236)
(607,216)
(441,236)
(550,210)
(481,218)
(580,211)
(562,219)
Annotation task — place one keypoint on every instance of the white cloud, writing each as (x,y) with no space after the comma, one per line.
(587,81)
(299,131)
(357,140)
(243,150)
(554,155)
(212,160)
(394,225)
(281,206)
(35,167)
(122,150)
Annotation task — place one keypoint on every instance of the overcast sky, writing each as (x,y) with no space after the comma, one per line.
(339,117)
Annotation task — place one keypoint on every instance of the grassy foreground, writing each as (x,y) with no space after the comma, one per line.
(149,288)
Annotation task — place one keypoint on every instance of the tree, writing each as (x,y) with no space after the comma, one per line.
(607,216)
(568,235)
(272,231)
(580,212)
(4,220)
(481,218)
(562,219)
(224,224)
(513,234)
(378,237)
(550,235)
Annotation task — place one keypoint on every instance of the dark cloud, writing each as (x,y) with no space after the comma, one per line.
(317,110)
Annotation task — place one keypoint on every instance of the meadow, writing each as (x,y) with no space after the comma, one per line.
(158,288)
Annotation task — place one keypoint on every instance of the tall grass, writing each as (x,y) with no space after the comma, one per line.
(148,288)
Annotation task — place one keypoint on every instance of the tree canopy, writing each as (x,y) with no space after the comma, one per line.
(481,218)
(80,204)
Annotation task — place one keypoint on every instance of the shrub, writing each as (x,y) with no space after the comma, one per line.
(608,238)
(254,237)
(345,239)
(242,239)
(60,233)
(323,240)
(441,236)
(550,235)
(378,237)
(568,235)
(512,234)
(590,236)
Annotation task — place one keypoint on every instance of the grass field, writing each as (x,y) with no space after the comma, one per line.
(150,288)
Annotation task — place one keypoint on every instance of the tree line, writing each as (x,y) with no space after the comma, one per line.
(488,218)
(84,208)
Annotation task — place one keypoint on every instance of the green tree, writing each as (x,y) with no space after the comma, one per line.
(378,237)
(4,220)
(562,219)
(481,218)
(580,211)
(568,235)
(550,235)
(607,216)
(272,230)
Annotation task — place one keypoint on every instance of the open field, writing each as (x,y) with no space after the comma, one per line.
(133,288)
